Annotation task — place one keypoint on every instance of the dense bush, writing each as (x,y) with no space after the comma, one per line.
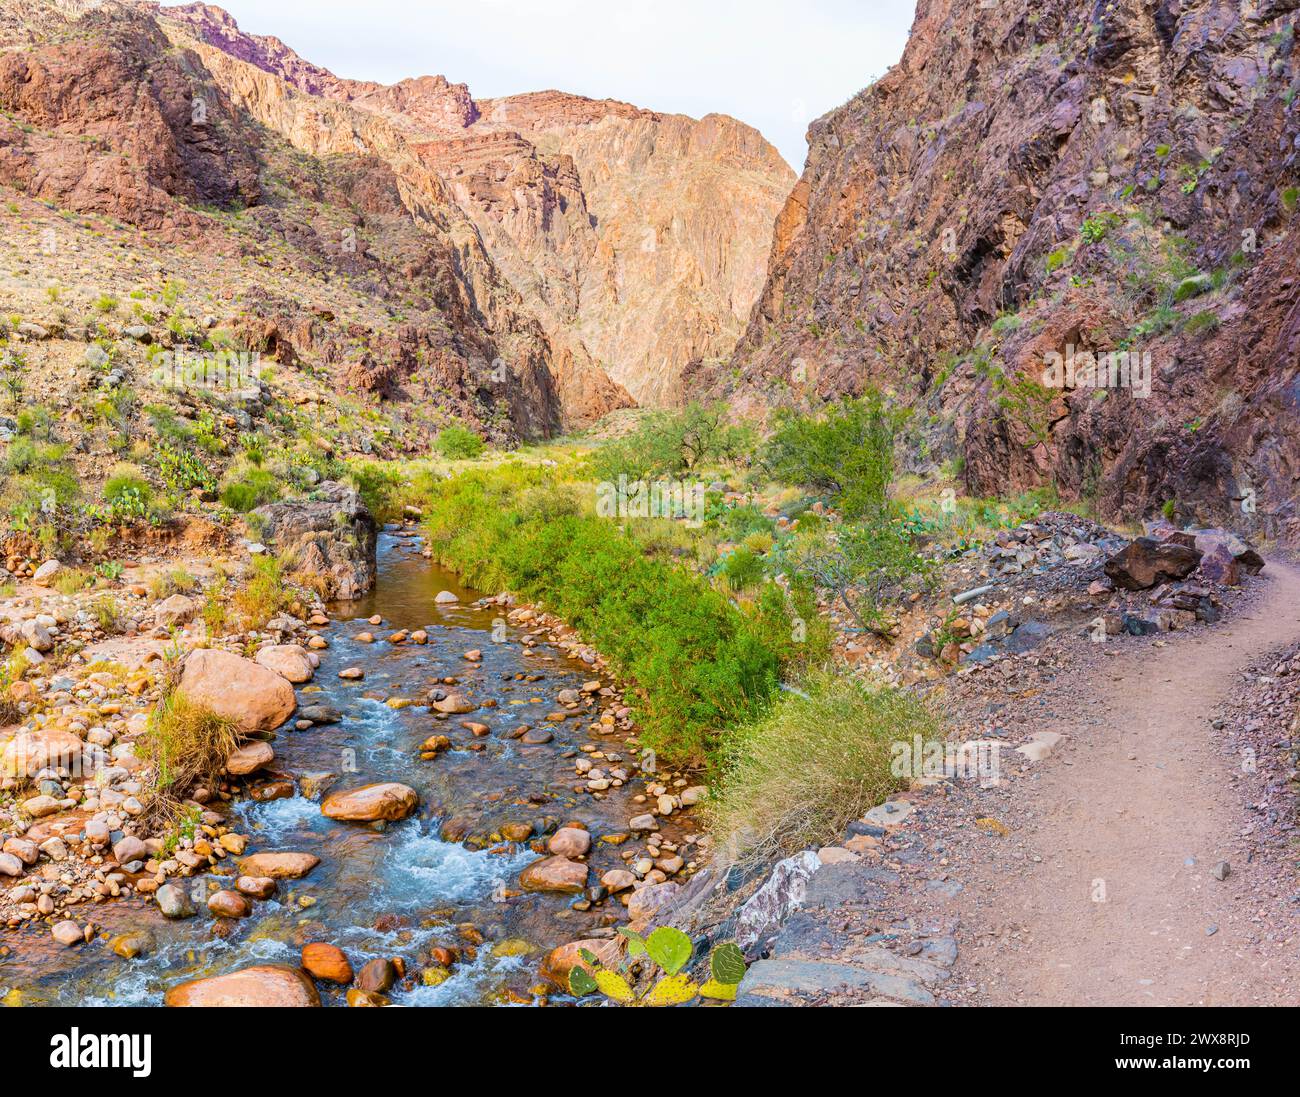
(701,663)
(863,565)
(847,452)
(458,443)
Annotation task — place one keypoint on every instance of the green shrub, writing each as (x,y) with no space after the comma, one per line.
(865,567)
(253,488)
(184,745)
(379,487)
(458,443)
(820,758)
(698,663)
(1202,323)
(846,451)
(742,569)
(738,522)
(128,496)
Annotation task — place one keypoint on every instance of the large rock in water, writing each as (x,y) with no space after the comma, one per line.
(261,985)
(388,801)
(330,536)
(554,874)
(1145,562)
(290,661)
(281,865)
(254,697)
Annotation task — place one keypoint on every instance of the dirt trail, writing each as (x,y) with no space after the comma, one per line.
(1139,799)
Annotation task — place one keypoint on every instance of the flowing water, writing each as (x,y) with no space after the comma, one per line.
(399,891)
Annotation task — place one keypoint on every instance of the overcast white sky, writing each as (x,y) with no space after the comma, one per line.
(776,64)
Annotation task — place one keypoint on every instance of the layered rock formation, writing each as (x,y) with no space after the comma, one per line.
(1058,178)
(638,239)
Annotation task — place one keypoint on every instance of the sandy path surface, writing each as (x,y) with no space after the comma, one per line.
(1130,816)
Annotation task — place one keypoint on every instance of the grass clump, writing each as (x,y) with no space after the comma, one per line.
(264,595)
(175,581)
(186,745)
(253,488)
(818,759)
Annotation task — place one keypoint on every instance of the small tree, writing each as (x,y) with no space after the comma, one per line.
(846,452)
(671,442)
(864,566)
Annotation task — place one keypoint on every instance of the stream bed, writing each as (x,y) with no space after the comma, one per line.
(402,890)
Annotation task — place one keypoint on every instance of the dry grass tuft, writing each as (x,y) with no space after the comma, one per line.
(814,763)
(186,745)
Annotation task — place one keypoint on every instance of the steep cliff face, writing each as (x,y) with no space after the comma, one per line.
(638,240)
(1038,179)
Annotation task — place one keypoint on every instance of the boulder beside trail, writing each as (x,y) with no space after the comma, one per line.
(1145,562)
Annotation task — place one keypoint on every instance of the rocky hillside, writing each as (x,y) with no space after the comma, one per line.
(129,168)
(637,239)
(1058,177)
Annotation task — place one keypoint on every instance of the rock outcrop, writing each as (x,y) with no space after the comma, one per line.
(329,537)
(1058,179)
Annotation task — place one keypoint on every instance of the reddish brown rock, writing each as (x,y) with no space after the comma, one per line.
(255,698)
(290,661)
(560,961)
(569,842)
(229,904)
(554,874)
(279,865)
(257,887)
(327,962)
(1145,562)
(249,758)
(388,801)
(265,985)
